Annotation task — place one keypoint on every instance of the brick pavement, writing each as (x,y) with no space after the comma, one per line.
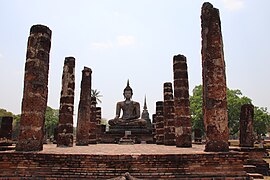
(115,149)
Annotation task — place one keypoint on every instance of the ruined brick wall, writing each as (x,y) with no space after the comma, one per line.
(159,123)
(142,166)
(214,81)
(65,125)
(183,129)
(168,110)
(246,125)
(35,93)
(84,111)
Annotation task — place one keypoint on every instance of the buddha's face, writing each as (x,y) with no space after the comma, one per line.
(128,94)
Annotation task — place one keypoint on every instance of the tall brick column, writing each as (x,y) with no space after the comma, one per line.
(168,110)
(6,127)
(93,122)
(34,102)
(246,125)
(84,111)
(154,130)
(65,125)
(159,123)
(99,126)
(98,115)
(183,130)
(214,81)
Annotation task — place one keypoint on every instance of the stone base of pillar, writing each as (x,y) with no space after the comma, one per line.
(216,146)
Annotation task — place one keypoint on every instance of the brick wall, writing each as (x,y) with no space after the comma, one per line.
(175,166)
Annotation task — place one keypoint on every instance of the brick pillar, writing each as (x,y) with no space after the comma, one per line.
(34,102)
(168,110)
(159,123)
(99,127)
(84,111)
(93,122)
(246,126)
(214,81)
(183,131)
(6,127)
(154,131)
(65,125)
(98,115)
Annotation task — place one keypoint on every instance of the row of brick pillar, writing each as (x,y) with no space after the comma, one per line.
(35,96)
(172,118)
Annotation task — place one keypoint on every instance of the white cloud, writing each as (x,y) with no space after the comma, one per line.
(233,5)
(102,45)
(125,40)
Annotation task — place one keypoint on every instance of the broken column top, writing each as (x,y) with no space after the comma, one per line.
(70,59)
(178,58)
(87,69)
(40,29)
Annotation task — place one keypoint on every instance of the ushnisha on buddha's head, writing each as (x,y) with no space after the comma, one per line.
(128,91)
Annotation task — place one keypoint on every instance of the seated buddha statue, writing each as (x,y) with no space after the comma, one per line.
(131,111)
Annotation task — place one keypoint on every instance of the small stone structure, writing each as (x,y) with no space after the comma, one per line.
(159,123)
(65,125)
(145,115)
(214,81)
(168,110)
(183,129)
(93,122)
(34,102)
(6,129)
(84,111)
(246,125)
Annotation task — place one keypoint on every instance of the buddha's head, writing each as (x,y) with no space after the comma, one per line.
(128,91)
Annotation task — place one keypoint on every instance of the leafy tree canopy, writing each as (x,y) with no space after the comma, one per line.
(235,100)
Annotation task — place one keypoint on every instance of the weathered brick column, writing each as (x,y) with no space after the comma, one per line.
(6,127)
(99,127)
(214,81)
(154,130)
(246,125)
(84,111)
(65,125)
(159,123)
(93,122)
(98,115)
(34,102)
(183,130)
(168,110)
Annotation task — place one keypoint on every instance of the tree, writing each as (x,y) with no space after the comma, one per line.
(196,108)
(95,93)
(261,121)
(235,100)
(51,120)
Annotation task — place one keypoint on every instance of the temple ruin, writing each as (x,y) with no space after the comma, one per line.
(65,125)
(214,81)
(35,92)
(84,111)
(183,130)
(168,114)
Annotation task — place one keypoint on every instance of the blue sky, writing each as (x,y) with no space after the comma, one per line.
(135,40)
